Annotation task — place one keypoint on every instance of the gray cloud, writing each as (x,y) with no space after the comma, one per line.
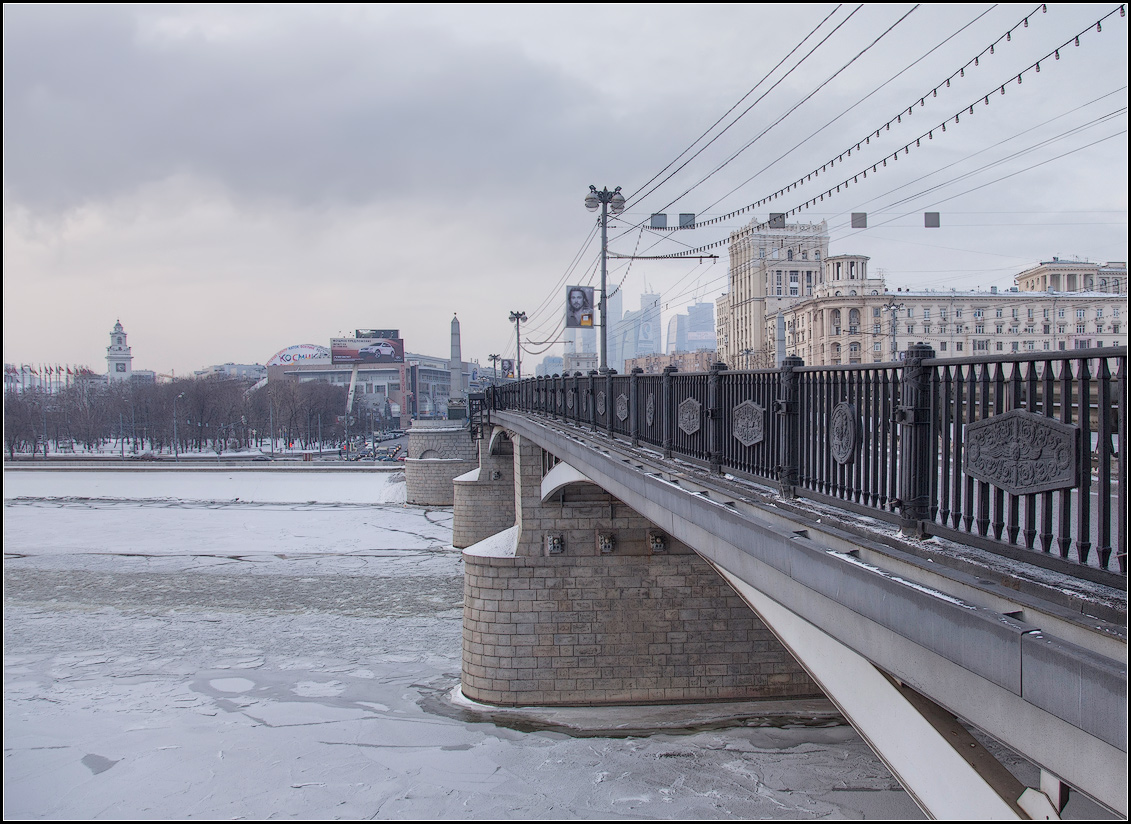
(322,111)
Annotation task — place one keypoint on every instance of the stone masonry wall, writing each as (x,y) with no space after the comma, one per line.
(556,631)
(586,628)
(438,452)
(484,498)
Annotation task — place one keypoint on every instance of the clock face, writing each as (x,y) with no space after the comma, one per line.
(119,367)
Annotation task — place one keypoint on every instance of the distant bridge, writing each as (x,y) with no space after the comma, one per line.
(991,585)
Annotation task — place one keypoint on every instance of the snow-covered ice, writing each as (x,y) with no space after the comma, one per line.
(173,652)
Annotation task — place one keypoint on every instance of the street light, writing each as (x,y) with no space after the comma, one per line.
(494,368)
(893,307)
(176,454)
(607,201)
(517,318)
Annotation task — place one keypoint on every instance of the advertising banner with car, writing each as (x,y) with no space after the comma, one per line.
(367,350)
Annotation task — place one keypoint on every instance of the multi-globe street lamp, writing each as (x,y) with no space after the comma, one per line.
(517,318)
(607,202)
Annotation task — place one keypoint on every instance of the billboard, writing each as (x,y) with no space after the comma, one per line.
(300,353)
(366,350)
(579,307)
(384,334)
(507,365)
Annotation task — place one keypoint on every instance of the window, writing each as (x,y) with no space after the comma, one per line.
(1030,346)
(911,328)
(1047,328)
(926,314)
(1046,314)
(1099,312)
(1000,346)
(804,254)
(1030,315)
(762,252)
(877,347)
(875,329)
(958,314)
(999,313)
(876,311)
(1060,313)
(942,346)
(1079,313)
(981,345)
(1014,314)
(1079,329)
(958,346)
(978,313)
(910,313)
(1000,328)
(979,328)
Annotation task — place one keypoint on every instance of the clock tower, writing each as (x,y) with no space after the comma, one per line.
(118,358)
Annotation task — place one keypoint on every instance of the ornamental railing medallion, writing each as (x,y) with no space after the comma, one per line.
(1022,453)
(844,434)
(748,422)
(622,407)
(601,402)
(559,399)
(687,416)
(570,398)
(650,409)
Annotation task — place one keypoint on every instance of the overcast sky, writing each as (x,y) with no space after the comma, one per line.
(231,180)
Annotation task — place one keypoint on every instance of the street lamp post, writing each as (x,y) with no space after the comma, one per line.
(894,308)
(176,453)
(607,201)
(494,368)
(517,318)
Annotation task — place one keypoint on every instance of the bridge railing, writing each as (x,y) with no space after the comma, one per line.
(1021,455)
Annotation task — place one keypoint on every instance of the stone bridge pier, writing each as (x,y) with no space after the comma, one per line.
(572,598)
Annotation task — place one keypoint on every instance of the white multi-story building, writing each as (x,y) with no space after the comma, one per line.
(857,320)
(773,265)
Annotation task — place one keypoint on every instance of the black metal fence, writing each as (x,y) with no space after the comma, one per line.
(1021,455)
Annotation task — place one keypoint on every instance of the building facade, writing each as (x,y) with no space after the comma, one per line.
(865,323)
(773,265)
(698,361)
(1058,275)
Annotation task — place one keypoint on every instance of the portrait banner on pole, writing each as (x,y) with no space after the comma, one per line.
(579,307)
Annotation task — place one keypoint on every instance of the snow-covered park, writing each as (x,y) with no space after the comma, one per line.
(254,644)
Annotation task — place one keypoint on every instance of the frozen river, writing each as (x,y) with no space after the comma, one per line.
(252,644)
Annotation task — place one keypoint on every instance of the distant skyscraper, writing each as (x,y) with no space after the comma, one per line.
(693,331)
(638,333)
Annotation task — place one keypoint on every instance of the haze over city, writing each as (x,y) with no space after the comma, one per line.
(228,181)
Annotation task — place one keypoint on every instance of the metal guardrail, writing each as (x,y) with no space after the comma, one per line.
(1021,455)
